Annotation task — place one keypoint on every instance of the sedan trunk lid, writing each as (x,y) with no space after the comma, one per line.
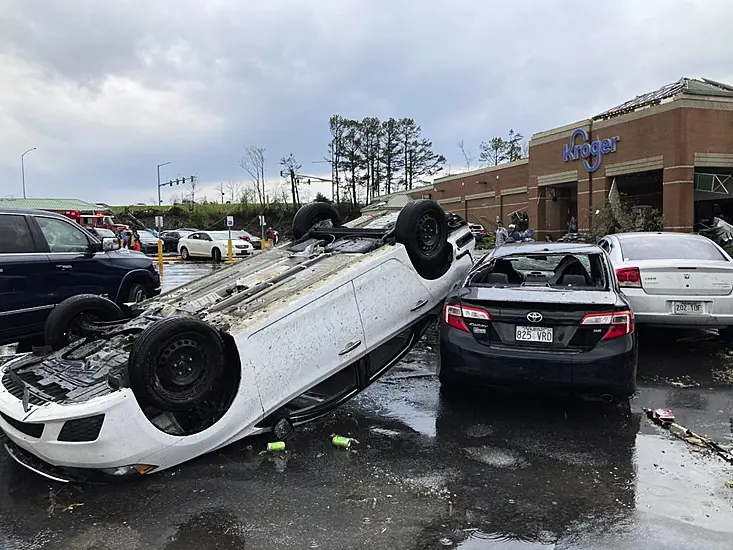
(537,317)
(685,277)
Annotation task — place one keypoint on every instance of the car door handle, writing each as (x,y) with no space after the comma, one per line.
(63,266)
(418,305)
(351,346)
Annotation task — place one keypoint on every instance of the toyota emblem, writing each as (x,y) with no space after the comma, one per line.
(534,317)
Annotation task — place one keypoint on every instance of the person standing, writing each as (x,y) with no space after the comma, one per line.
(501,234)
(514,234)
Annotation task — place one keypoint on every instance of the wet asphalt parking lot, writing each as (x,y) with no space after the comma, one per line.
(482,470)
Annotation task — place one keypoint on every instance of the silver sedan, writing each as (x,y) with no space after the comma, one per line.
(674,279)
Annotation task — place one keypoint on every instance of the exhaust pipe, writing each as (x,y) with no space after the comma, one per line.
(607,398)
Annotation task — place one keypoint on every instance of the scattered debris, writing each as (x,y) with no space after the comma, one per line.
(342,442)
(275,446)
(665,418)
(385,431)
(660,416)
(729,484)
(678,384)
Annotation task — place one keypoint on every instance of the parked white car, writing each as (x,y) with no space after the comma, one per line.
(263,345)
(674,279)
(212,244)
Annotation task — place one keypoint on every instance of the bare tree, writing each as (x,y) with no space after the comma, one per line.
(235,190)
(175,198)
(193,185)
(290,172)
(467,156)
(525,149)
(247,195)
(222,193)
(253,162)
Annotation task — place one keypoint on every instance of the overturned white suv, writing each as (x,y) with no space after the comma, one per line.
(265,345)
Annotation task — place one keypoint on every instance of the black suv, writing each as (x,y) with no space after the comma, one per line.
(46,258)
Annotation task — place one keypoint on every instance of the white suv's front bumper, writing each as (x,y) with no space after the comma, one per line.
(126,437)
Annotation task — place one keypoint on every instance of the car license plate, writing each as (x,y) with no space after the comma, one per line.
(534,334)
(688,308)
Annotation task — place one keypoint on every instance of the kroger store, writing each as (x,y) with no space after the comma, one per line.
(671,149)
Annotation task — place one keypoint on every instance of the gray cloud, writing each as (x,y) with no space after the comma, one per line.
(106,91)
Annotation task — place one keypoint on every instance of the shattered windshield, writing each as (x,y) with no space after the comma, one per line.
(571,271)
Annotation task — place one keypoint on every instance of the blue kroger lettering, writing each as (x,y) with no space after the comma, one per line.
(592,151)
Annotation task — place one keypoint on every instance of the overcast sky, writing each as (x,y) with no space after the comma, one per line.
(106,90)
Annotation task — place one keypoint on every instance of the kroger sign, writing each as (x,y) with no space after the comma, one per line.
(590,152)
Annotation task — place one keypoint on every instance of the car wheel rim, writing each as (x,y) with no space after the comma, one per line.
(139,295)
(428,233)
(181,363)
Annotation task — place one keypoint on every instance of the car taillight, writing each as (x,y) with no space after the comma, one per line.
(620,323)
(454,315)
(629,277)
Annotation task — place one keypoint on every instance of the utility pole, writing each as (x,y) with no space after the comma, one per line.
(22,168)
(160,201)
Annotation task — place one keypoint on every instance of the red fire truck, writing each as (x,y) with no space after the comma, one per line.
(100,220)
(97,220)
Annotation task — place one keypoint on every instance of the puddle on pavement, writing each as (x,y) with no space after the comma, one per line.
(179,273)
(498,458)
(684,358)
(214,529)
(478,540)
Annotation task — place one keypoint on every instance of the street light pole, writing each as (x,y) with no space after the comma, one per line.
(160,201)
(22,167)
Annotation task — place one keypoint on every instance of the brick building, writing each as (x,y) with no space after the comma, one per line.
(671,149)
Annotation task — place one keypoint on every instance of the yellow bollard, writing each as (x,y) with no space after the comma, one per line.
(160,258)
(229,250)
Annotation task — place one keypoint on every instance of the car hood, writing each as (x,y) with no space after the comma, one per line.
(537,294)
(130,257)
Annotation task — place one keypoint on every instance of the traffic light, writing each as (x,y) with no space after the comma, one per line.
(177,181)
(191,179)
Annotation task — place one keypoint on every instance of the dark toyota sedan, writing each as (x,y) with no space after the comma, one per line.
(545,315)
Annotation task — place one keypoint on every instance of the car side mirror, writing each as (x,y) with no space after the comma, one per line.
(108,243)
(95,247)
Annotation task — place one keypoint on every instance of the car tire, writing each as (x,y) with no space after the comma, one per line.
(216,255)
(184,253)
(422,228)
(137,292)
(63,323)
(176,363)
(310,214)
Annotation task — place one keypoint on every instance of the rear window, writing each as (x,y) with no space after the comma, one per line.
(561,270)
(669,248)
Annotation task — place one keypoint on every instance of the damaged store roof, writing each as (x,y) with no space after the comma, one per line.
(684,86)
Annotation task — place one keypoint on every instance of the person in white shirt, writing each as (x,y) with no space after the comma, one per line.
(501,234)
